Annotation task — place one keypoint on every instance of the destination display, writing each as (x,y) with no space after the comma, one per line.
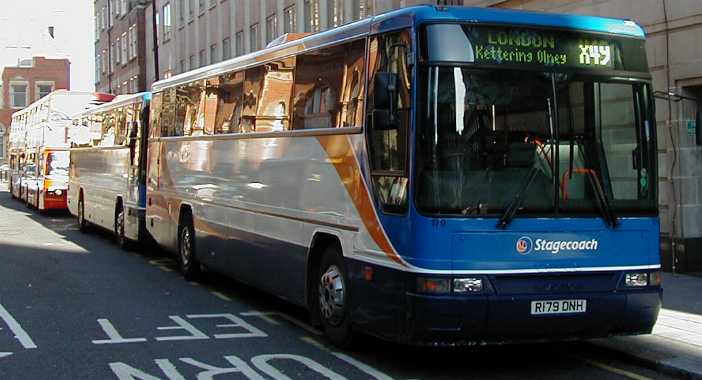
(523,46)
(539,47)
(531,48)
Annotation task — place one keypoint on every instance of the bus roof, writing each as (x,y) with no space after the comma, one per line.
(406,17)
(119,100)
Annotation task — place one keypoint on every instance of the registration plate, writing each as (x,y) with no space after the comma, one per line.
(558,307)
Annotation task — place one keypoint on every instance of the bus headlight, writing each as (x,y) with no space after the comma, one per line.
(467,285)
(58,192)
(637,279)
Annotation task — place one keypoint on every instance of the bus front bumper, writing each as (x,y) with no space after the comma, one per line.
(452,320)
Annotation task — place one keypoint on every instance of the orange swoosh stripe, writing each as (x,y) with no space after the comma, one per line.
(340,153)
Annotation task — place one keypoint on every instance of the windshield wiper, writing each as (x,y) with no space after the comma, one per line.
(607,212)
(516,202)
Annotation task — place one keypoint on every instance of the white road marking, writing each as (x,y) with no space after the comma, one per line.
(112,333)
(261,362)
(5,354)
(211,371)
(348,359)
(251,331)
(17,329)
(182,324)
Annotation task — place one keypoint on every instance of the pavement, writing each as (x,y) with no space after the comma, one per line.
(675,345)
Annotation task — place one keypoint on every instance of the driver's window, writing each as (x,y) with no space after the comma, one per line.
(389,97)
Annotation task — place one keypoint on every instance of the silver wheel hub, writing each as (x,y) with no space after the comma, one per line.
(332,295)
(120,224)
(185,247)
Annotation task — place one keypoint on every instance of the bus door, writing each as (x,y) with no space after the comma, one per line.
(136,124)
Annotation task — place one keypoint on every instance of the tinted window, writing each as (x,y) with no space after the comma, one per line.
(155,117)
(189,117)
(168,126)
(274,100)
(328,87)
(230,89)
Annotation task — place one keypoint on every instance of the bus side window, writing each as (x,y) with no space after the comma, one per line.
(155,117)
(168,103)
(230,95)
(389,96)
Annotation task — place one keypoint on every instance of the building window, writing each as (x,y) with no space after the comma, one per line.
(167,22)
(18,94)
(201,5)
(362,8)
(239,42)
(118,7)
(213,53)
(182,65)
(123,49)
(2,142)
(226,48)
(191,11)
(159,32)
(103,19)
(202,58)
(181,11)
(312,16)
(124,7)
(335,13)
(118,52)
(213,3)
(111,18)
(96,21)
(114,55)
(253,37)
(43,88)
(132,42)
(192,61)
(289,19)
(103,62)
(271,28)
(97,68)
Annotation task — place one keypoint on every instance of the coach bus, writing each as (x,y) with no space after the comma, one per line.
(431,175)
(41,177)
(107,167)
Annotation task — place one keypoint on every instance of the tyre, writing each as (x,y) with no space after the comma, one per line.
(187,254)
(120,239)
(332,293)
(82,223)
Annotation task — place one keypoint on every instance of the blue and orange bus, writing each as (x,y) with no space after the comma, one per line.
(431,175)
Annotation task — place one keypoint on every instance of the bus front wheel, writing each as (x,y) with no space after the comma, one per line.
(187,257)
(333,298)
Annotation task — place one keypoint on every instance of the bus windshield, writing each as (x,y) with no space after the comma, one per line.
(486,135)
(57,163)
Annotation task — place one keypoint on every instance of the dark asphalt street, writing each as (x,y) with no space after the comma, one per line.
(75,306)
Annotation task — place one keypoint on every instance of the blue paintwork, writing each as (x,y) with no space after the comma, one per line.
(426,14)
(474,244)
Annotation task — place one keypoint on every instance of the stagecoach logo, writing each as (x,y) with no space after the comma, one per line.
(524,245)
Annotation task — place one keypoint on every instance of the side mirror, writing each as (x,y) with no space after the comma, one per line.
(698,125)
(384,93)
(384,90)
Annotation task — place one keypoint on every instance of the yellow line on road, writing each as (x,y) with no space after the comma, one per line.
(221,295)
(618,371)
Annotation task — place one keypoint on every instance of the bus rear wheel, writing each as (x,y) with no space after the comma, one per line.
(82,223)
(187,256)
(332,295)
(120,238)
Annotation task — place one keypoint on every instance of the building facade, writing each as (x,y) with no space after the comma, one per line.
(120,59)
(26,83)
